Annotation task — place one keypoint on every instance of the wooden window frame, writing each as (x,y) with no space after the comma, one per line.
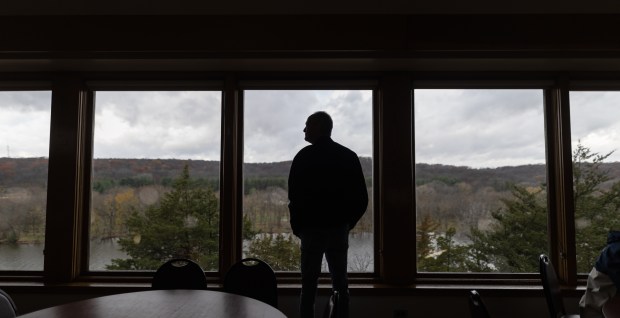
(71,150)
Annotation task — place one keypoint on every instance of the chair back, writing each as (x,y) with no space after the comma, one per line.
(7,306)
(476,305)
(333,306)
(551,287)
(253,278)
(180,273)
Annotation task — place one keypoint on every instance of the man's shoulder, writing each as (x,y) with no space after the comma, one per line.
(329,147)
(345,150)
(303,153)
(304,150)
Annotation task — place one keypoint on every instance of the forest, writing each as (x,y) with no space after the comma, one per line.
(461,211)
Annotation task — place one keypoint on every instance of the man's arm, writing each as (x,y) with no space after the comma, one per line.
(359,194)
(292,197)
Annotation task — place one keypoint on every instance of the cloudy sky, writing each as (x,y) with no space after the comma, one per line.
(24,124)
(479,128)
(476,128)
(275,120)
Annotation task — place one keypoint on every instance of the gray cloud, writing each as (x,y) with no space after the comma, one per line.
(595,121)
(478,128)
(184,125)
(25,101)
(274,121)
(489,128)
(25,123)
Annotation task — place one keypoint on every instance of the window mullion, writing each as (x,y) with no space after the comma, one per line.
(397,204)
(66,166)
(232,157)
(560,184)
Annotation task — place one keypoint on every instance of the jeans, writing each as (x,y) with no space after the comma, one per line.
(334,244)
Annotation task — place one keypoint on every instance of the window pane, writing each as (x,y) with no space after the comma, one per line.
(273,134)
(155,184)
(25,136)
(480,180)
(595,129)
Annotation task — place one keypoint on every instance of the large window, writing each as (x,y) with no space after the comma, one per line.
(483,189)
(24,138)
(480,178)
(155,180)
(595,129)
(274,121)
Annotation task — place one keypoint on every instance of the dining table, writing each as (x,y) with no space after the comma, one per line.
(178,303)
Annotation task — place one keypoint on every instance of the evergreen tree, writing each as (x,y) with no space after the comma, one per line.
(184,224)
(280,251)
(597,205)
(425,238)
(446,256)
(248,231)
(519,233)
(453,257)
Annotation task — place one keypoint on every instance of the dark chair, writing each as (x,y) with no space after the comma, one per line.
(476,305)
(331,309)
(551,287)
(253,278)
(180,273)
(7,306)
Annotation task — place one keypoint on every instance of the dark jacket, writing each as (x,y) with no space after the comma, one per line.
(326,187)
(609,260)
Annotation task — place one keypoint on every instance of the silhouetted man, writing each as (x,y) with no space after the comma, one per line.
(327,197)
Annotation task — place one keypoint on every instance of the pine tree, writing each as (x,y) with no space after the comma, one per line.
(184,224)
(425,237)
(439,252)
(519,233)
(281,252)
(597,205)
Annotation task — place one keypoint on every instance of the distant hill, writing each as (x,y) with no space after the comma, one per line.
(531,175)
(33,171)
(23,172)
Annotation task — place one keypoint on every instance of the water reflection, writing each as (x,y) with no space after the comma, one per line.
(29,257)
(21,257)
(102,252)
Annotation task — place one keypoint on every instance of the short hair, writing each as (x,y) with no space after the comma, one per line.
(324,121)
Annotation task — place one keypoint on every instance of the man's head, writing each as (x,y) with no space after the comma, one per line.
(318,125)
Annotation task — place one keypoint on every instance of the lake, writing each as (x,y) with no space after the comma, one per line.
(29,257)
